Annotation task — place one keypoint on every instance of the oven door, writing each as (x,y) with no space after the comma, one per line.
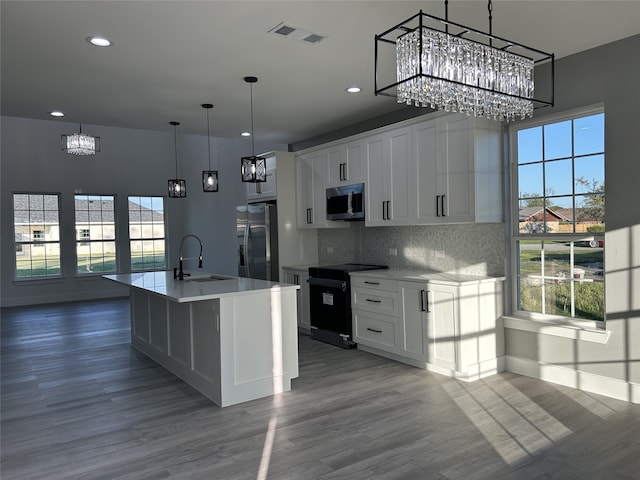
(330,305)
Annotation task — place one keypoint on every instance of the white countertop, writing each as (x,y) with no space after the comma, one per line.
(422,275)
(197,287)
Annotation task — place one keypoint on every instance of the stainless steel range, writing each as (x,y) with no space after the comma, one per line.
(330,299)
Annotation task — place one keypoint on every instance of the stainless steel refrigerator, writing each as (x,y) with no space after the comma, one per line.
(257,232)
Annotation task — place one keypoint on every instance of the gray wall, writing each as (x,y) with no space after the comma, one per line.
(132,162)
(607,75)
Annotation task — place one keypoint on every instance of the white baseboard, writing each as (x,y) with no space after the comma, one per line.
(584,381)
(62,297)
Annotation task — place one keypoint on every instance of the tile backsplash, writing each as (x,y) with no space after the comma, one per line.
(475,249)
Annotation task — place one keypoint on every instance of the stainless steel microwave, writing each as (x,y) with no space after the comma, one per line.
(346,202)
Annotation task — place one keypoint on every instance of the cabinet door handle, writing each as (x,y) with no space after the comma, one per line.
(296,279)
(442,205)
(424,301)
(371,283)
(374,330)
(344,171)
(384,215)
(373,300)
(309,217)
(437,205)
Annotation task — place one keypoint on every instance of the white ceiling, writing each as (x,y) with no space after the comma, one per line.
(169,57)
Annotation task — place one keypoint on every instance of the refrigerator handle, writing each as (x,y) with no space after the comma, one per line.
(246,248)
(241,255)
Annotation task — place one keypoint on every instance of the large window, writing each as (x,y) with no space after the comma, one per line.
(36,222)
(95,234)
(558,235)
(147,233)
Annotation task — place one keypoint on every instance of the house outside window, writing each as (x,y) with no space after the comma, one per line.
(95,234)
(36,223)
(558,202)
(147,233)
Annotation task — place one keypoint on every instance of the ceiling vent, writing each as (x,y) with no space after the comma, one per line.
(296,33)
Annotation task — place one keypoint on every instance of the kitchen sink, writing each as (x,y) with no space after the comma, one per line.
(205,278)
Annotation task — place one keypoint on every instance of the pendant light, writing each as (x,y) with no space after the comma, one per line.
(177,186)
(209,177)
(452,67)
(254,169)
(80,143)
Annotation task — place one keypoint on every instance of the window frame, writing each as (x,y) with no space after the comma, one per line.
(516,236)
(80,241)
(19,245)
(147,238)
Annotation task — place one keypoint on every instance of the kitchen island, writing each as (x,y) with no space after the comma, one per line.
(233,339)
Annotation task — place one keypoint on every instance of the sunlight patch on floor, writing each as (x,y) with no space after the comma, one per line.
(514,425)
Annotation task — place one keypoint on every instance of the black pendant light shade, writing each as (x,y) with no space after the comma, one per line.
(253,168)
(177,186)
(209,177)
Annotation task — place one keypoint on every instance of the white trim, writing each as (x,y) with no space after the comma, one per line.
(584,381)
(547,327)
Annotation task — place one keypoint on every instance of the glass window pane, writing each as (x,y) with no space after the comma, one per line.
(557,140)
(530,182)
(558,177)
(560,215)
(589,134)
(590,213)
(589,174)
(530,145)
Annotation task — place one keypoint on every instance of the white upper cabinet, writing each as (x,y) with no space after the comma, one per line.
(444,170)
(458,174)
(345,164)
(312,172)
(387,161)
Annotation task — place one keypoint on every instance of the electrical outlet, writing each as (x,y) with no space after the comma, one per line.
(393,252)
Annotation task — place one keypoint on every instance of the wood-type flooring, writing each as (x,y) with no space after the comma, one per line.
(79,403)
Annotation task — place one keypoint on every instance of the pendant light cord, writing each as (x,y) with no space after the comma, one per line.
(253,148)
(175,145)
(490,8)
(208,139)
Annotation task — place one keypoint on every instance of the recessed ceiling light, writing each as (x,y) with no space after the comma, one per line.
(56,113)
(353,89)
(246,134)
(99,41)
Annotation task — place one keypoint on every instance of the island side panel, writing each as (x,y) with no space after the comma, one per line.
(139,302)
(204,325)
(258,345)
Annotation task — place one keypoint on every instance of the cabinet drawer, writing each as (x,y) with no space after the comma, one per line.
(377,301)
(375,283)
(374,330)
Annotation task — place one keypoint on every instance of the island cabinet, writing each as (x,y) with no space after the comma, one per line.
(387,159)
(456,171)
(299,276)
(233,339)
(446,323)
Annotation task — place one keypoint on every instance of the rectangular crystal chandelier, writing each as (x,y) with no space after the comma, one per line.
(80,143)
(446,66)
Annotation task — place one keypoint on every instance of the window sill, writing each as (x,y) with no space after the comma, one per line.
(584,333)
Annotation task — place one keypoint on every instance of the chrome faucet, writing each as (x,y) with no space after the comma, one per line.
(180,274)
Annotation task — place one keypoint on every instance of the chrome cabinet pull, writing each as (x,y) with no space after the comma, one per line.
(437,205)
(374,330)
(442,205)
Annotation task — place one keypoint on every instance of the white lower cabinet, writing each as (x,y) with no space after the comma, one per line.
(299,276)
(448,327)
